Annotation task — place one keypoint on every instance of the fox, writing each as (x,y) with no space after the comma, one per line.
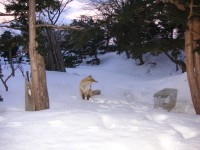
(85,87)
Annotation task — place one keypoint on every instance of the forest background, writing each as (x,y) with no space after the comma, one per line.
(122,26)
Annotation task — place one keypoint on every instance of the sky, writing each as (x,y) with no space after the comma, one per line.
(2,10)
(76,9)
(73,11)
(122,117)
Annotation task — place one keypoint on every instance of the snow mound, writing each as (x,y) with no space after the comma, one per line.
(122,117)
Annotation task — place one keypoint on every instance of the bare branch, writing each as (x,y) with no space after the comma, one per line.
(4,14)
(65,4)
(191,9)
(55,14)
(5,81)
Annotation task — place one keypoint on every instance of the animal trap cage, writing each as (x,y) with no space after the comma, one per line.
(165,98)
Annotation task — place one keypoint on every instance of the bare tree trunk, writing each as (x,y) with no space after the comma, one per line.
(193,61)
(54,61)
(39,86)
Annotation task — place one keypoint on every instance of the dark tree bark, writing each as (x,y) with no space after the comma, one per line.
(54,61)
(141,60)
(193,61)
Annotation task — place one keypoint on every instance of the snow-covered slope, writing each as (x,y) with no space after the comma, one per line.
(122,117)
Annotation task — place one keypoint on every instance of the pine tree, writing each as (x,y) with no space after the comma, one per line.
(87,42)
(192,36)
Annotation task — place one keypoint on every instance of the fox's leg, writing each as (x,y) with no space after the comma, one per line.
(90,93)
(83,96)
(88,96)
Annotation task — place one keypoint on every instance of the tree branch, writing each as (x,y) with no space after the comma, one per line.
(46,25)
(54,15)
(4,14)
(6,26)
(191,9)
(59,27)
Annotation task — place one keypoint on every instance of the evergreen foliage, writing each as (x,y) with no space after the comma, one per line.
(136,27)
(20,9)
(87,42)
(143,26)
(9,45)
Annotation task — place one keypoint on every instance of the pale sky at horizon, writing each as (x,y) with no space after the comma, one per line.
(74,10)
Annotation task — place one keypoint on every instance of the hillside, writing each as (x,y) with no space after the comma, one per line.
(122,117)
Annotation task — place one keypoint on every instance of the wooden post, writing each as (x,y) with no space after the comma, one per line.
(29,101)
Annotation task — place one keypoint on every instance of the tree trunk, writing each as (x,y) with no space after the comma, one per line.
(193,61)
(39,91)
(4,83)
(54,61)
(11,62)
(127,54)
(177,62)
(141,60)
(192,58)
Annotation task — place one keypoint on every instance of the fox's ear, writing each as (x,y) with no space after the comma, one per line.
(90,76)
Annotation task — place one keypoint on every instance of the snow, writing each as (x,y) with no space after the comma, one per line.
(122,117)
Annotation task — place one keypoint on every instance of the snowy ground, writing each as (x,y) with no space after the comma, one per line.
(121,118)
